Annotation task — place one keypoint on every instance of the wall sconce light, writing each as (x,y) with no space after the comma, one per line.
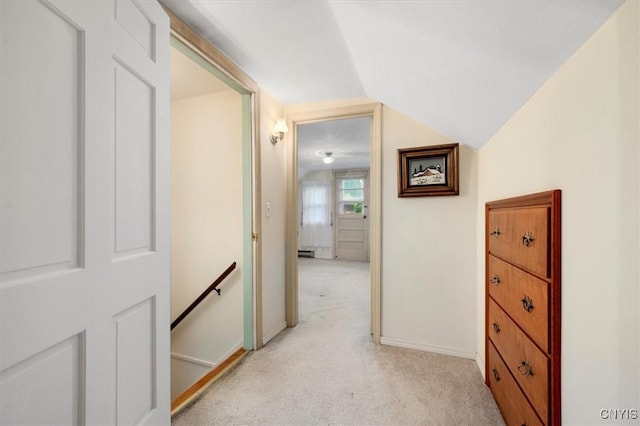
(328,159)
(278,131)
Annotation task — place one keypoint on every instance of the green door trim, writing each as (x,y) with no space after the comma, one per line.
(247,221)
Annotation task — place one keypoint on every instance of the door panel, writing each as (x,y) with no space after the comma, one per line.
(351,231)
(51,378)
(84,209)
(39,176)
(135,362)
(134,150)
(133,20)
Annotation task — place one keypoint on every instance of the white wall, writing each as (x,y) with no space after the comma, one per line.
(273,227)
(428,251)
(206,232)
(580,133)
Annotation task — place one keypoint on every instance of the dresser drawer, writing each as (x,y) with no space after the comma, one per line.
(521,236)
(512,403)
(524,297)
(529,366)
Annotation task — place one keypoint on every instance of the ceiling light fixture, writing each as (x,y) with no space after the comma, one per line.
(328,159)
(278,131)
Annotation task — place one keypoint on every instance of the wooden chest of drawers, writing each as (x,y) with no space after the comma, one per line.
(523,307)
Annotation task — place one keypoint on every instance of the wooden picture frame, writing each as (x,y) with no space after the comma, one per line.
(428,171)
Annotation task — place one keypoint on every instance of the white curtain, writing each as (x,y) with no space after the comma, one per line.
(315,218)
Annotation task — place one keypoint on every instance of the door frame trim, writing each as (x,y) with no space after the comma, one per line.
(246,86)
(374,110)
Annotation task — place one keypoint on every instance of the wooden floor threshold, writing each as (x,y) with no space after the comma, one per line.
(207,380)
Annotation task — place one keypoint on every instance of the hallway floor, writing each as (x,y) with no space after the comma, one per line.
(327,371)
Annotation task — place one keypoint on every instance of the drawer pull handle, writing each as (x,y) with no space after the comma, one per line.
(496,327)
(527,303)
(525,369)
(495,279)
(495,232)
(496,375)
(527,239)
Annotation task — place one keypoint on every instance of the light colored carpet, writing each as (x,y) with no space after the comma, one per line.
(327,371)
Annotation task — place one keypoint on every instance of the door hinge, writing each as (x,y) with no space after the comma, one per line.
(254,236)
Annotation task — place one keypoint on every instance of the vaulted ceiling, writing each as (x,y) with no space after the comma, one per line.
(461,67)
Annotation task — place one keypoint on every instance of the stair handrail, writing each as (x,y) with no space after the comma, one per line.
(204,294)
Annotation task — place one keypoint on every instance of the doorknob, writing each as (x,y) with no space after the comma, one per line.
(364,217)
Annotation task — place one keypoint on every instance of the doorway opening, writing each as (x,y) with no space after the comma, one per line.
(333,196)
(333,169)
(213,198)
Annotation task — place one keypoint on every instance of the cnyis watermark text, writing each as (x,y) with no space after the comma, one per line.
(619,414)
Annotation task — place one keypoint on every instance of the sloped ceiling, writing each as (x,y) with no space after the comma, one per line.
(461,67)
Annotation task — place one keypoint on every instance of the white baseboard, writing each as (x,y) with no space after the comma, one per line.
(274,332)
(203,362)
(401,343)
(480,362)
(193,360)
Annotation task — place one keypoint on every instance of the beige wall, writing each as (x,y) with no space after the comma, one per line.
(428,251)
(273,227)
(206,232)
(580,133)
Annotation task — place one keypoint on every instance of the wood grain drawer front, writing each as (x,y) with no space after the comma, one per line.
(524,297)
(521,236)
(527,363)
(512,403)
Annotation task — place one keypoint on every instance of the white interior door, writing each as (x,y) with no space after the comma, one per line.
(84,212)
(352,227)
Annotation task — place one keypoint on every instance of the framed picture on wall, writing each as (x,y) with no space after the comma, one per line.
(428,171)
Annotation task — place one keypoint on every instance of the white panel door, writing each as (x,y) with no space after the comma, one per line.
(352,227)
(84,212)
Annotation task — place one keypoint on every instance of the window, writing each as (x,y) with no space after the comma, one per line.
(315,204)
(350,195)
